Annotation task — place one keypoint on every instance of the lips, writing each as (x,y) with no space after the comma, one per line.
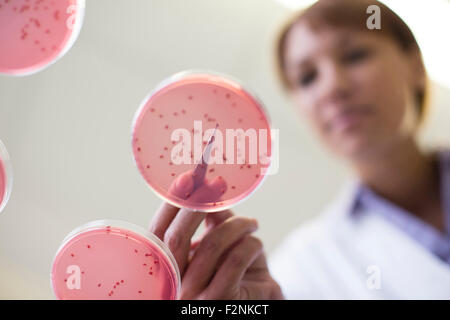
(347,119)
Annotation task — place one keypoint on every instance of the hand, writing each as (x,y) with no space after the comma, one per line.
(227,262)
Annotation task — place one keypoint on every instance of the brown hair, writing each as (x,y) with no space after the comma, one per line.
(350,13)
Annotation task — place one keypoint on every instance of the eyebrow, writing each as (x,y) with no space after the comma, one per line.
(342,41)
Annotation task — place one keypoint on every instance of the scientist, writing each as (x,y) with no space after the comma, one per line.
(387,235)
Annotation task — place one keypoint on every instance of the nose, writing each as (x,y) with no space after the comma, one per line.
(336,86)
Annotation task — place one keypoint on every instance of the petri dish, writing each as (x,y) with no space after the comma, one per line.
(36,33)
(114,260)
(6,177)
(174,125)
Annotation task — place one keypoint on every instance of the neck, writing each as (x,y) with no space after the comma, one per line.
(403,174)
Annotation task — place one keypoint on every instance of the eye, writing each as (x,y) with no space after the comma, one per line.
(307,78)
(356,55)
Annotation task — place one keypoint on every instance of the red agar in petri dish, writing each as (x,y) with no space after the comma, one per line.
(115,260)
(202,141)
(5,176)
(35,33)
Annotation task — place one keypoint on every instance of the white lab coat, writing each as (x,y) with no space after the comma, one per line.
(337,256)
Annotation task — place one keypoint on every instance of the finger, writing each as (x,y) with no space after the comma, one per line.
(212,220)
(162,219)
(182,186)
(234,267)
(178,235)
(259,264)
(215,218)
(218,186)
(210,191)
(210,249)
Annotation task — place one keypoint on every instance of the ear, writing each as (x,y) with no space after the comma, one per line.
(417,69)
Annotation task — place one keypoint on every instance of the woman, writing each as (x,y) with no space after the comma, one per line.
(387,236)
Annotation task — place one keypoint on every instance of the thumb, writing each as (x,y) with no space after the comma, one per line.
(218,187)
(210,191)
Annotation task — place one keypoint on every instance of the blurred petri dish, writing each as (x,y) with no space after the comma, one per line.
(36,33)
(114,260)
(6,177)
(173,126)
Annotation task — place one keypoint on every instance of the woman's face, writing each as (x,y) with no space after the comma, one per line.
(355,87)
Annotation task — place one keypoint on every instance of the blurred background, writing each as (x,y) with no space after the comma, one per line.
(67,128)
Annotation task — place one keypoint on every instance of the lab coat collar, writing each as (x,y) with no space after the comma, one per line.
(350,197)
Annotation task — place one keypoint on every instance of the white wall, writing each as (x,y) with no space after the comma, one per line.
(67,129)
